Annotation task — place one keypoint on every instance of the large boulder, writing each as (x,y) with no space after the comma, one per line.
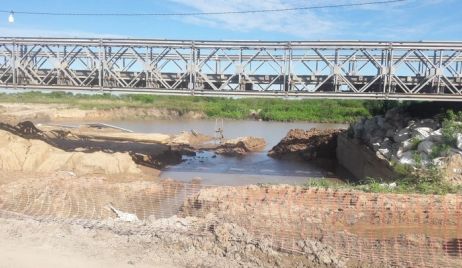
(425,147)
(427,123)
(402,135)
(436,136)
(407,158)
(358,128)
(421,133)
(407,145)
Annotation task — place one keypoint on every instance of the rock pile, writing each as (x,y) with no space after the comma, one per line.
(399,138)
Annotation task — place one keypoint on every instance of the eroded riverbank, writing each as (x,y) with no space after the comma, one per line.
(145,219)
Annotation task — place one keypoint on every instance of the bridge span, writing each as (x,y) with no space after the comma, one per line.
(298,69)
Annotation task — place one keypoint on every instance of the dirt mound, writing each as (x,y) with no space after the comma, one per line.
(241,146)
(307,144)
(20,154)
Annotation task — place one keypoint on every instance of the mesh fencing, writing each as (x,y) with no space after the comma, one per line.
(377,230)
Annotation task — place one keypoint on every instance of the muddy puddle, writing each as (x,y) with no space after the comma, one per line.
(212,169)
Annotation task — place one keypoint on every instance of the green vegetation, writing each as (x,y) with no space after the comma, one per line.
(323,111)
(335,111)
(403,186)
(451,127)
(440,150)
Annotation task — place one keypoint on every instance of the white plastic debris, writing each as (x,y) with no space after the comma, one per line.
(389,185)
(123,216)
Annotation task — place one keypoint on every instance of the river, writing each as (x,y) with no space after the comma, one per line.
(212,169)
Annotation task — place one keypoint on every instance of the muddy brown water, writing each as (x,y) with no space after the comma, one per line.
(254,168)
(212,169)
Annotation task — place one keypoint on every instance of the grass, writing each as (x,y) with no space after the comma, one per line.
(403,186)
(323,111)
(428,180)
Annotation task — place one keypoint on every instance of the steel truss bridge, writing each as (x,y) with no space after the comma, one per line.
(319,69)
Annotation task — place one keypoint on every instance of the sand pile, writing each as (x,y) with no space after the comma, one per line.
(19,154)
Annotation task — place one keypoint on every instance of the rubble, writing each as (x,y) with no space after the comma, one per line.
(398,138)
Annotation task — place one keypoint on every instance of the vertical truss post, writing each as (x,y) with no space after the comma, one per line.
(390,70)
(196,70)
(439,71)
(336,71)
(101,55)
(240,70)
(146,72)
(13,64)
(59,65)
(192,82)
(383,60)
(288,83)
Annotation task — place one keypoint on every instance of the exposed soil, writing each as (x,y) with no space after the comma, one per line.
(253,226)
(452,169)
(307,144)
(69,213)
(88,142)
(56,112)
(173,242)
(371,229)
(241,146)
(19,154)
(62,194)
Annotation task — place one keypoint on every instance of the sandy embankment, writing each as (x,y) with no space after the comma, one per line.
(56,112)
(29,155)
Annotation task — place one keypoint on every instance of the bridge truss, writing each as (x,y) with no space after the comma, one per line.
(320,69)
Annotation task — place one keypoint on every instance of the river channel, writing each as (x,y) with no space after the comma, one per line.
(212,169)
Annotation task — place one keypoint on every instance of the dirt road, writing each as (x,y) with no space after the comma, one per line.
(28,254)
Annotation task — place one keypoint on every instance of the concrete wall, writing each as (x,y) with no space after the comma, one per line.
(361,161)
